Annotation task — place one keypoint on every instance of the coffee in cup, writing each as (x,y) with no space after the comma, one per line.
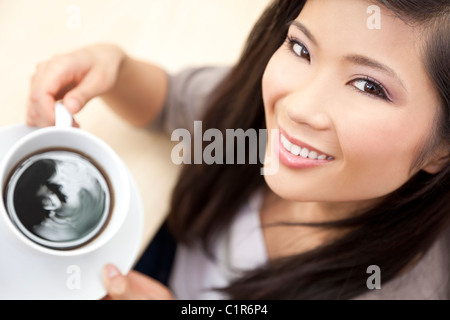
(64,191)
(59,199)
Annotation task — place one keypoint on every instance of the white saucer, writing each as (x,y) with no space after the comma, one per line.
(28,275)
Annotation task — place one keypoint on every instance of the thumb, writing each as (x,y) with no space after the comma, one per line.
(90,87)
(116,284)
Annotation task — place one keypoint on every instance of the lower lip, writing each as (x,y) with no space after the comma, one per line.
(297,162)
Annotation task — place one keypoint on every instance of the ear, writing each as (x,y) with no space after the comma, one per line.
(440,159)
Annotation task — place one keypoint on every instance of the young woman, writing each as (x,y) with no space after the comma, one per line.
(362,116)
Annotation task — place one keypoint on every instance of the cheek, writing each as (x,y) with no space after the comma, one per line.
(268,89)
(276,82)
(378,154)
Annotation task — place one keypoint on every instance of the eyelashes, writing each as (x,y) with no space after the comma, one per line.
(298,48)
(364,85)
(370,87)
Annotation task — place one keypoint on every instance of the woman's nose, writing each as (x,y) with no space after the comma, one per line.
(311,104)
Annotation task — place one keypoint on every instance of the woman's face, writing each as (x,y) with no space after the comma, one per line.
(353,104)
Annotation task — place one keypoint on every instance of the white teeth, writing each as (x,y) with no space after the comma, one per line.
(296,150)
(286,143)
(313,155)
(303,152)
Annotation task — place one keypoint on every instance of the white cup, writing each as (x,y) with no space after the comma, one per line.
(111,176)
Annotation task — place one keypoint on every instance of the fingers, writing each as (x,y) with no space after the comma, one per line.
(76,78)
(70,77)
(47,85)
(134,286)
(117,285)
(93,84)
(40,111)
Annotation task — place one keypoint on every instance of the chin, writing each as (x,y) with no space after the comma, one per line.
(284,190)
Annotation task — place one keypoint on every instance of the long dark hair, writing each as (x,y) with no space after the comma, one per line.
(207,197)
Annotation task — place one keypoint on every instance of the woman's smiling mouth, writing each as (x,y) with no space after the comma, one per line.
(296,154)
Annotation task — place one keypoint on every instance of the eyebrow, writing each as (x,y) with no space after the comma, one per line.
(368,62)
(354,58)
(300,26)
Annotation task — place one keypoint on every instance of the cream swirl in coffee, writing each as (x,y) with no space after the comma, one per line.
(59,199)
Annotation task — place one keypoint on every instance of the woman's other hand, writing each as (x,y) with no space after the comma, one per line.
(134,286)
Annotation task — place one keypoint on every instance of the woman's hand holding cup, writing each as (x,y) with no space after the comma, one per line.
(75,78)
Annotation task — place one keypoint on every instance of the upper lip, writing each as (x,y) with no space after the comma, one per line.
(302,144)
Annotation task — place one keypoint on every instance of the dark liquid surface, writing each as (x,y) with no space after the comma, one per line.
(58,198)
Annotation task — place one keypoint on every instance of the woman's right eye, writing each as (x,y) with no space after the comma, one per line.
(298,49)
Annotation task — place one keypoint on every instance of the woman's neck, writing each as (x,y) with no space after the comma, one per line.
(281,220)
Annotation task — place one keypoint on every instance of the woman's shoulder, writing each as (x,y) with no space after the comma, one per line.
(186,100)
(428,279)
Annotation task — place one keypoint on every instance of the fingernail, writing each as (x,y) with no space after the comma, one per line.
(115,283)
(72,104)
(111,271)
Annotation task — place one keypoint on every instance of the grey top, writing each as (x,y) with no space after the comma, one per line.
(185,103)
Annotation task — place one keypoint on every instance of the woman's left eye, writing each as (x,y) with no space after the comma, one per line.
(370,87)
(299,49)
